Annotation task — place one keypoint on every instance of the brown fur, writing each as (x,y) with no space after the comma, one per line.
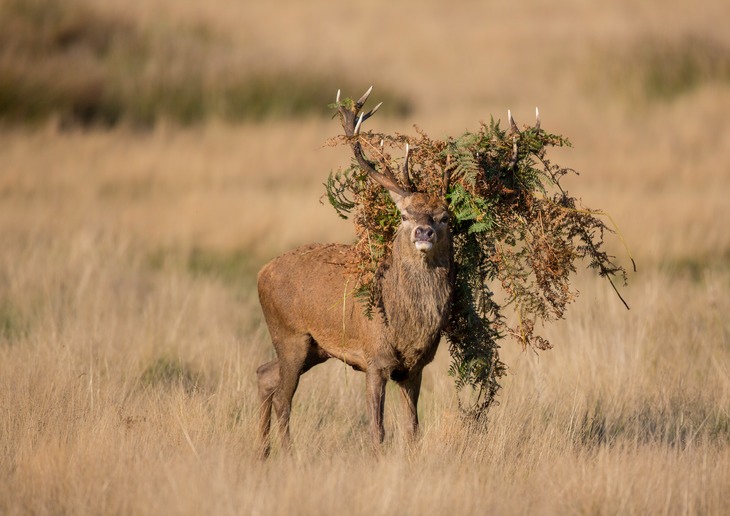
(306,297)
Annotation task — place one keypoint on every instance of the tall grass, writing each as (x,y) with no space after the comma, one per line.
(132,390)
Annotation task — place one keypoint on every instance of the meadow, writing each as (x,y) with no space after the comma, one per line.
(132,229)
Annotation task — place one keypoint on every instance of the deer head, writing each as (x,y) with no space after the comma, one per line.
(424,229)
(425,218)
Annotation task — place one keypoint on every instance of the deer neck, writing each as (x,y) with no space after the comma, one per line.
(416,295)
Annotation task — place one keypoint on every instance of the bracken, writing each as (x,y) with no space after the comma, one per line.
(514,228)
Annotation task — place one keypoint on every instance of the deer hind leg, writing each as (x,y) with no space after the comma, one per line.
(297,354)
(268,380)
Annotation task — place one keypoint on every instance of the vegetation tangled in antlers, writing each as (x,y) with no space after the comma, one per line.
(513,226)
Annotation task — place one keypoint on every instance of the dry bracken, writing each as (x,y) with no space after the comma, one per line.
(515,229)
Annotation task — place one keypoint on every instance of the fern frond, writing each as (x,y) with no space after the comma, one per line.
(514,229)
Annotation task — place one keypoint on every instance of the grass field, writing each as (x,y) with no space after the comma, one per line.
(129,323)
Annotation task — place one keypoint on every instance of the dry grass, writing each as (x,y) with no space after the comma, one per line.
(130,330)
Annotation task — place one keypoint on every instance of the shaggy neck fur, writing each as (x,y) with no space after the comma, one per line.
(416,296)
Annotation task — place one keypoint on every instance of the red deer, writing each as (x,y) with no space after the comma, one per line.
(302,293)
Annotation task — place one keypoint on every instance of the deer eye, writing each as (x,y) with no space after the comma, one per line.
(443,219)
(404,217)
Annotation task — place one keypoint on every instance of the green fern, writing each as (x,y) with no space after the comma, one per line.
(337,187)
(508,231)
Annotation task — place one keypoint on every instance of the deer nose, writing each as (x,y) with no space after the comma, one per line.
(424,234)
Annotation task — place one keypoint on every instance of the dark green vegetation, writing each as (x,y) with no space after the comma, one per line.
(171,372)
(235,268)
(662,69)
(13,323)
(679,421)
(91,68)
(514,226)
(697,267)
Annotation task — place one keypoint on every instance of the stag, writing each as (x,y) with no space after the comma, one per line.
(306,298)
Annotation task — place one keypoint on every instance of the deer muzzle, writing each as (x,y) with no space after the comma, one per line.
(423,238)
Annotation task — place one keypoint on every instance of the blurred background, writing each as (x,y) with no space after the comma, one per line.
(200,111)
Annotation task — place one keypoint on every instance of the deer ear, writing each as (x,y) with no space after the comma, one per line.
(398,199)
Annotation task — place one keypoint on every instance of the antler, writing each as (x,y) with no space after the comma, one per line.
(513,124)
(352,120)
(516,133)
(405,173)
(515,136)
(446,177)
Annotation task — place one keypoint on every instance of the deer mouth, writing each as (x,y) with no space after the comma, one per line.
(423,245)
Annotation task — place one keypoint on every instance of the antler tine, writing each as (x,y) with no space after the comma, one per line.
(371,112)
(337,99)
(515,135)
(512,123)
(446,178)
(365,116)
(537,118)
(406,174)
(405,162)
(361,102)
(356,131)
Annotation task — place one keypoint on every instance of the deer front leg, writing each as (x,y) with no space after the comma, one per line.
(375,381)
(411,388)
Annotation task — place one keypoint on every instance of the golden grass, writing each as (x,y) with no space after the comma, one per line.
(130,329)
